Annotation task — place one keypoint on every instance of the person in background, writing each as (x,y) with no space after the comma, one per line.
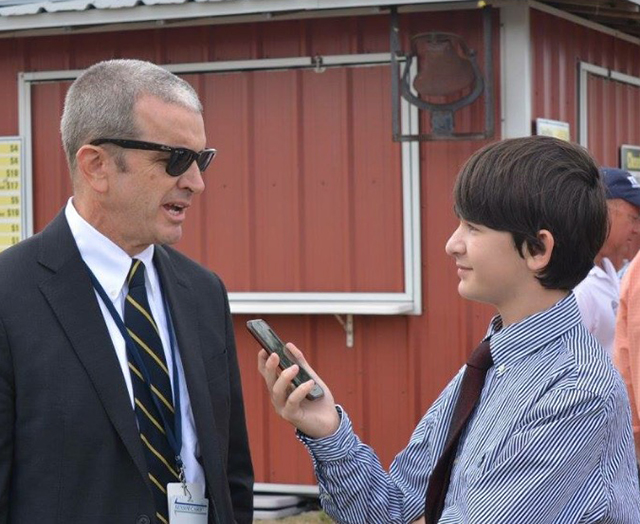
(119,378)
(633,250)
(598,294)
(626,350)
(536,427)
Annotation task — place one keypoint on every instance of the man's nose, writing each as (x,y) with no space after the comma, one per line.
(192,179)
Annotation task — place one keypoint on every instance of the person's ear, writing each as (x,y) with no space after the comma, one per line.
(537,259)
(93,166)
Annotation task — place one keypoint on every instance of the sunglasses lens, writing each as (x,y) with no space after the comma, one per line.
(179,161)
(205,157)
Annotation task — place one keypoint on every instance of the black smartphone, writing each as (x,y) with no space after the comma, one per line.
(267,338)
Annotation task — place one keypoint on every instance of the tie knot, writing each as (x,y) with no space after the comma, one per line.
(481,357)
(135,278)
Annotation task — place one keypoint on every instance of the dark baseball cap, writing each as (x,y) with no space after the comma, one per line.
(621,184)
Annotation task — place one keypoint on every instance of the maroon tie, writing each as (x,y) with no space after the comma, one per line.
(470,388)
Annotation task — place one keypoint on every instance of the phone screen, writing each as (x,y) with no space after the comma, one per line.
(267,338)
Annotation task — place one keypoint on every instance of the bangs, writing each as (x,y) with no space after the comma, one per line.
(524,185)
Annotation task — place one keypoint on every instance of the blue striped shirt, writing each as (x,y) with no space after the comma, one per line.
(549,442)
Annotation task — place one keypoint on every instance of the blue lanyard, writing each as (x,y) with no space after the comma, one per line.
(174,435)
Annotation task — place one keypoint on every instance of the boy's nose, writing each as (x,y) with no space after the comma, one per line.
(454,245)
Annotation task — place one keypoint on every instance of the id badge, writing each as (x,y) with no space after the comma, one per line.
(187,504)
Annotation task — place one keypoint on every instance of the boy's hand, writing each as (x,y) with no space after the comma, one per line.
(317,418)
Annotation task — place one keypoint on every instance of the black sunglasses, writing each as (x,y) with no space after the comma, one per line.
(180,157)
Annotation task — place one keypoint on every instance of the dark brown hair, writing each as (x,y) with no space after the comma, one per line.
(523,185)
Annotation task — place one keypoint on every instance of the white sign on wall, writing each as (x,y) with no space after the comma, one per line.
(554,128)
(630,159)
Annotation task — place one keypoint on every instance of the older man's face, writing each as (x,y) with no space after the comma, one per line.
(144,204)
(625,225)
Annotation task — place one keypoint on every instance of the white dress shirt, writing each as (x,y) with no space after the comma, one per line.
(110,265)
(598,296)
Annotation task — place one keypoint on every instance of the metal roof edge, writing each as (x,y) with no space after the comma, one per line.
(184,11)
(583,22)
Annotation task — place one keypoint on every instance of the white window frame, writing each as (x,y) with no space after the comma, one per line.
(409,301)
(585,70)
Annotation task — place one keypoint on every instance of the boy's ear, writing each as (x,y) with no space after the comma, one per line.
(539,259)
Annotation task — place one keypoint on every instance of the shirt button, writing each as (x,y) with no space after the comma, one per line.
(501,369)
(143,519)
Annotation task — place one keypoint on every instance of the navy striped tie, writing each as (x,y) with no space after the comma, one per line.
(144,331)
(470,388)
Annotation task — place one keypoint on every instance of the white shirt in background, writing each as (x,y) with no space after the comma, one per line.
(598,297)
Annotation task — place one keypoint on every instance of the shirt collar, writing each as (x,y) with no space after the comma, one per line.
(108,262)
(606,271)
(518,340)
(609,269)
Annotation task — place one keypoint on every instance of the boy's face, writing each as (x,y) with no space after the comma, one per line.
(489,267)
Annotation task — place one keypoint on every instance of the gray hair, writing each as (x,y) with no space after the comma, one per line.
(100,102)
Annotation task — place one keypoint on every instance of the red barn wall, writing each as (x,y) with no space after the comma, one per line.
(317,149)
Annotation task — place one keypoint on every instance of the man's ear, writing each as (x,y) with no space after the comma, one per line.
(93,166)
(539,259)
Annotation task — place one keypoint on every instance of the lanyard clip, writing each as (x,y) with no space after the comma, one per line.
(183,478)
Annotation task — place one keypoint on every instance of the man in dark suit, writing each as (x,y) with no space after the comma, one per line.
(100,410)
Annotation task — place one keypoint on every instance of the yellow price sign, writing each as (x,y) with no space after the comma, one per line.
(9,200)
(9,240)
(9,172)
(9,213)
(9,148)
(10,228)
(10,161)
(9,185)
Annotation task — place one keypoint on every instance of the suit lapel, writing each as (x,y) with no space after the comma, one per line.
(70,294)
(184,315)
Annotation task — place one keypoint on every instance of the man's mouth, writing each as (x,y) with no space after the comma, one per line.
(175,209)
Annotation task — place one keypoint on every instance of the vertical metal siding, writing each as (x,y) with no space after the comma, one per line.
(613,111)
(324,182)
(275,181)
(558,46)
(52,183)
(307,166)
(377,201)
(11,62)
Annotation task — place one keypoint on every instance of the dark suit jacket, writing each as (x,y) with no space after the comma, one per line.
(70,451)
